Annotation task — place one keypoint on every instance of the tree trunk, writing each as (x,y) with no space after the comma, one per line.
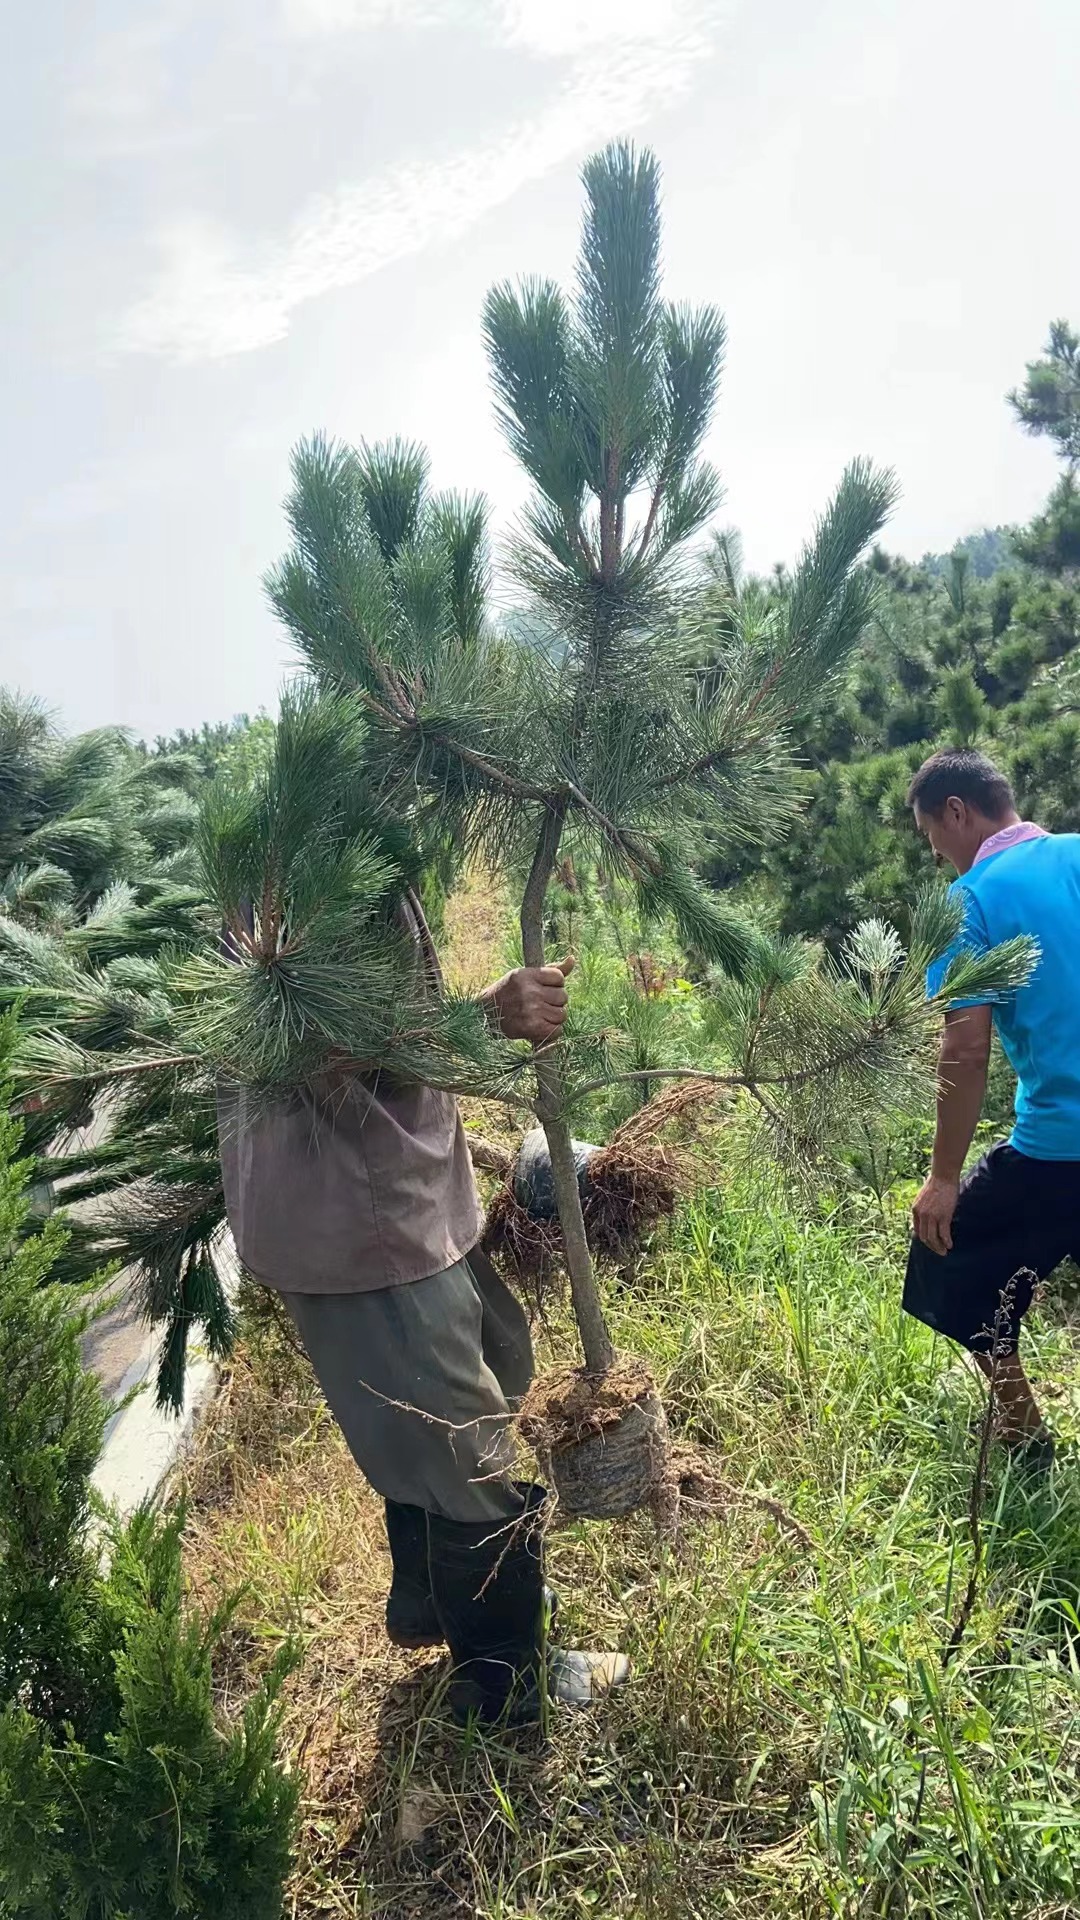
(595,1338)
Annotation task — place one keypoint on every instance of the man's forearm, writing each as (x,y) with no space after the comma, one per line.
(962,1068)
(961,1090)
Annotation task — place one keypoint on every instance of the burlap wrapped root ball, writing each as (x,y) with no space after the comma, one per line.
(624,1192)
(601,1441)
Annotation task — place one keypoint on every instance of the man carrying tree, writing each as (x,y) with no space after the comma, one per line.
(356,1202)
(982,1240)
(420,726)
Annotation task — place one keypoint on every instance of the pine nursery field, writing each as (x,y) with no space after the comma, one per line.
(793,1742)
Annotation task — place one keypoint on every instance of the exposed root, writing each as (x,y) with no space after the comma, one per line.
(625,1193)
(528,1251)
(629,1185)
(684,1100)
(705,1494)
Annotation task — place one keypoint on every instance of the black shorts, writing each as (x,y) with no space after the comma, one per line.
(1015,1220)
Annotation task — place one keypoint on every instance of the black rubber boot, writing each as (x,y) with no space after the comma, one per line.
(488,1584)
(411,1618)
(495,1609)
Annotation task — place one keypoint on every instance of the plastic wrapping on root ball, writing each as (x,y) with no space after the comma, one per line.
(618,1470)
(534,1187)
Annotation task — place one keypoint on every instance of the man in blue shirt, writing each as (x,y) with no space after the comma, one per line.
(981,1241)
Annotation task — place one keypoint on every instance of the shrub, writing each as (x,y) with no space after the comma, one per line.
(121,1796)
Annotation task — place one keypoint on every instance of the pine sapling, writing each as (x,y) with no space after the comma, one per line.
(587,728)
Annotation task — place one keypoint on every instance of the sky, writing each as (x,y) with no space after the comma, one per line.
(229,222)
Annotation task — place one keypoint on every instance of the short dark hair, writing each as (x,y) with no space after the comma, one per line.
(962,774)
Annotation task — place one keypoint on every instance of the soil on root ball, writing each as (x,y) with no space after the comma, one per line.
(601,1440)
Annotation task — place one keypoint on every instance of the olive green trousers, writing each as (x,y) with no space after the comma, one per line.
(422,1380)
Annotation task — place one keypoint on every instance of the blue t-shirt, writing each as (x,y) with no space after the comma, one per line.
(1033,888)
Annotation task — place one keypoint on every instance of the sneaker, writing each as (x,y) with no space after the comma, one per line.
(578,1679)
(573,1679)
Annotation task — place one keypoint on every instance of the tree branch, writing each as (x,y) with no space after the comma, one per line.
(829,1065)
(692,769)
(410,722)
(632,849)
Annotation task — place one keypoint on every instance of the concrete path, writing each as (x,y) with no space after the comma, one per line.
(117,1346)
(142,1444)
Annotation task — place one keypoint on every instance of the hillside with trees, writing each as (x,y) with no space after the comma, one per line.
(977,648)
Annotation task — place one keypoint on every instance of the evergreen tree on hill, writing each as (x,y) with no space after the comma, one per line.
(986,552)
(1048,403)
(951,657)
(242,742)
(84,815)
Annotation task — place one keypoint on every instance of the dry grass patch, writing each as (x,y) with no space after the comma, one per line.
(473,949)
(403,1817)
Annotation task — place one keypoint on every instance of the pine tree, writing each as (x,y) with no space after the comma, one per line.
(609,743)
(119,1792)
(1049,400)
(949,658)
(241,743)
(587,727)
(81,816)
(1051,542)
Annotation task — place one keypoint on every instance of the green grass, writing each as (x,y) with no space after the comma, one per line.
(926,1791)
(791,1743)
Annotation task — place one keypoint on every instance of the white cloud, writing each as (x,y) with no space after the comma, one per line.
(304,18)
(568,26)
(206,305)
(212,298)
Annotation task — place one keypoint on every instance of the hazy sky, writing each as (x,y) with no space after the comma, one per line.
(228,222)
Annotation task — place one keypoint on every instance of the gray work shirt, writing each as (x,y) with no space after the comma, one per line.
(355,1185)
